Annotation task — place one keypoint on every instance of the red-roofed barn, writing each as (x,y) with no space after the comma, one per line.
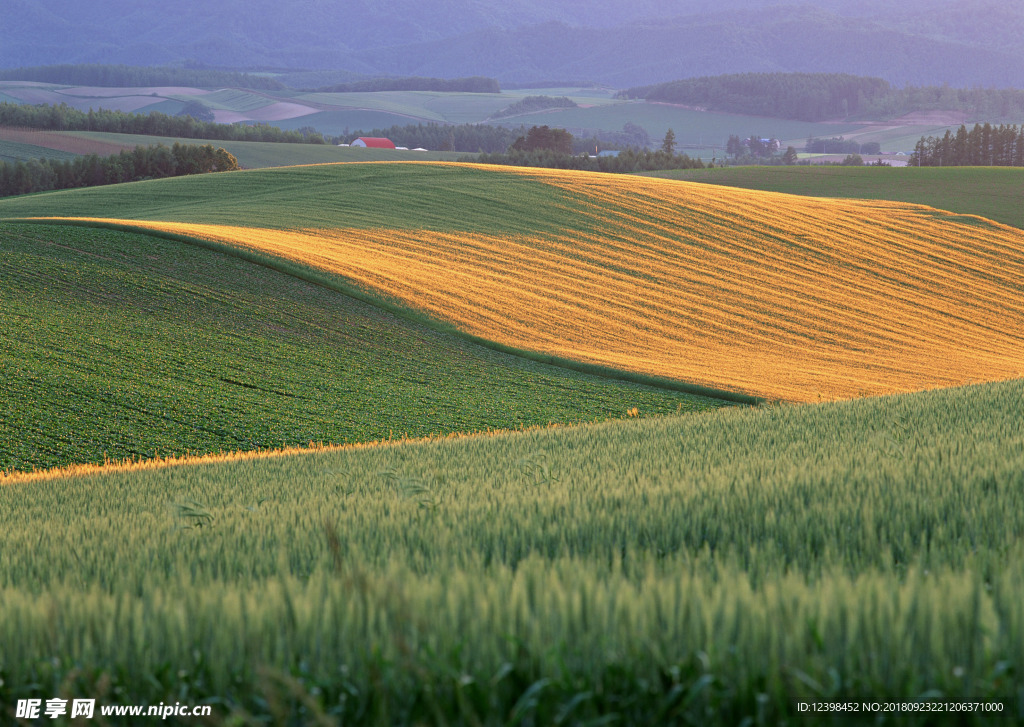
(374,142)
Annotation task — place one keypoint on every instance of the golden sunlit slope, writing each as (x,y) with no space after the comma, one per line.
(767,294)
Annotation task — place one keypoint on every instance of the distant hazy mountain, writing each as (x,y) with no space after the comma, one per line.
(620,42)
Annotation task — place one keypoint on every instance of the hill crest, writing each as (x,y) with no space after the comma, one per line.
(760,293)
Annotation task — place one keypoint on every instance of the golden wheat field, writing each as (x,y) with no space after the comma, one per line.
(785,297)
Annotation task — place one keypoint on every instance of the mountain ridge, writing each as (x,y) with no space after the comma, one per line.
(922,42)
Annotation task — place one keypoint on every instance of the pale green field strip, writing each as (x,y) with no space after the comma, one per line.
(713,569)
(260,154)
(233,99)
(455,108)
(123,345)
(993,192)
(13,152)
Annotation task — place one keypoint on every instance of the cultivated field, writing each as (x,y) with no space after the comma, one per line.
(759,294)
(67,142)
(992,192)
(14,151)
(709,564)
(117,345)
(716,569)
(340,114)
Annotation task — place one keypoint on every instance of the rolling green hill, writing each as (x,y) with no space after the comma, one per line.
(732,293)
(117,345)
(407,196)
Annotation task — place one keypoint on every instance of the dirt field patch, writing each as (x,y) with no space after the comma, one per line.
(62,141)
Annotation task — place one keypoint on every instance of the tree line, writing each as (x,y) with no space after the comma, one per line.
(802,96)
(820,96)
(64,118)
(627,161)
(542,146)
(120,76)
(143,162)
(983,146)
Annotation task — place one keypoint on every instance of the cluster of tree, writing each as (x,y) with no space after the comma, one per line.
(135,76)
(554,149)
(152,162)
(753,146)
(471,84)
(628,161)
(65,118)
(631,135)
(803,96)
(437,137)
(819,96)
(531,104)
(788,158)
(839,145)
(544,138)
(983,146)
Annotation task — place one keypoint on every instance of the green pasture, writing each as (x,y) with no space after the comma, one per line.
(231,99)
(714,569)
(13,151)
(417,105)
(123,345)
(992,192)
(454,108)
(262,154)
(690,127)
(905,138)
(367,196)
(894,139)
(344,123)
(169,107)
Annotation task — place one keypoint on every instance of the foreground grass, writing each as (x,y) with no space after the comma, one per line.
(122,345)
(992,192)
(711,569)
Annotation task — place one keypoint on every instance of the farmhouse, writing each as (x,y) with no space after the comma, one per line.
(374,142)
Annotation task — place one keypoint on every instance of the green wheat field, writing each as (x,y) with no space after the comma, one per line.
(473,538)
(716,568)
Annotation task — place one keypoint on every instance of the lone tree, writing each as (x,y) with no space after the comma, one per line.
(669,144)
